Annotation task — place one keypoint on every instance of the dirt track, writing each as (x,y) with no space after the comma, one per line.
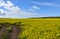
(13,34)
(3,29)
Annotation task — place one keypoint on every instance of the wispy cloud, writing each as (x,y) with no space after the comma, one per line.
(34,8)
(9,6)
(2,12)
(46,4)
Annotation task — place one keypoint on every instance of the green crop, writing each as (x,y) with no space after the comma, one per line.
(37,28)
(9,29)
(40,29)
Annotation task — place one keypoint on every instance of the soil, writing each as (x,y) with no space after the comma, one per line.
(3,29)
(13,35)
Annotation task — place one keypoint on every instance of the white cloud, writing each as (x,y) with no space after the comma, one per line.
(24,14)
(2,12)
(34,8)
(46,4)
(9,6)
(13,11)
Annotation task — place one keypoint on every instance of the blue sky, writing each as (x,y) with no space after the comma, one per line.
(29,8)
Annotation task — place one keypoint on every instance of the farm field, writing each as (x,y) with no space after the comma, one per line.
(29,19)
(48,28)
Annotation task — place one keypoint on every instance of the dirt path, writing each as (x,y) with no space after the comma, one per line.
(3,29)
(14,34)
